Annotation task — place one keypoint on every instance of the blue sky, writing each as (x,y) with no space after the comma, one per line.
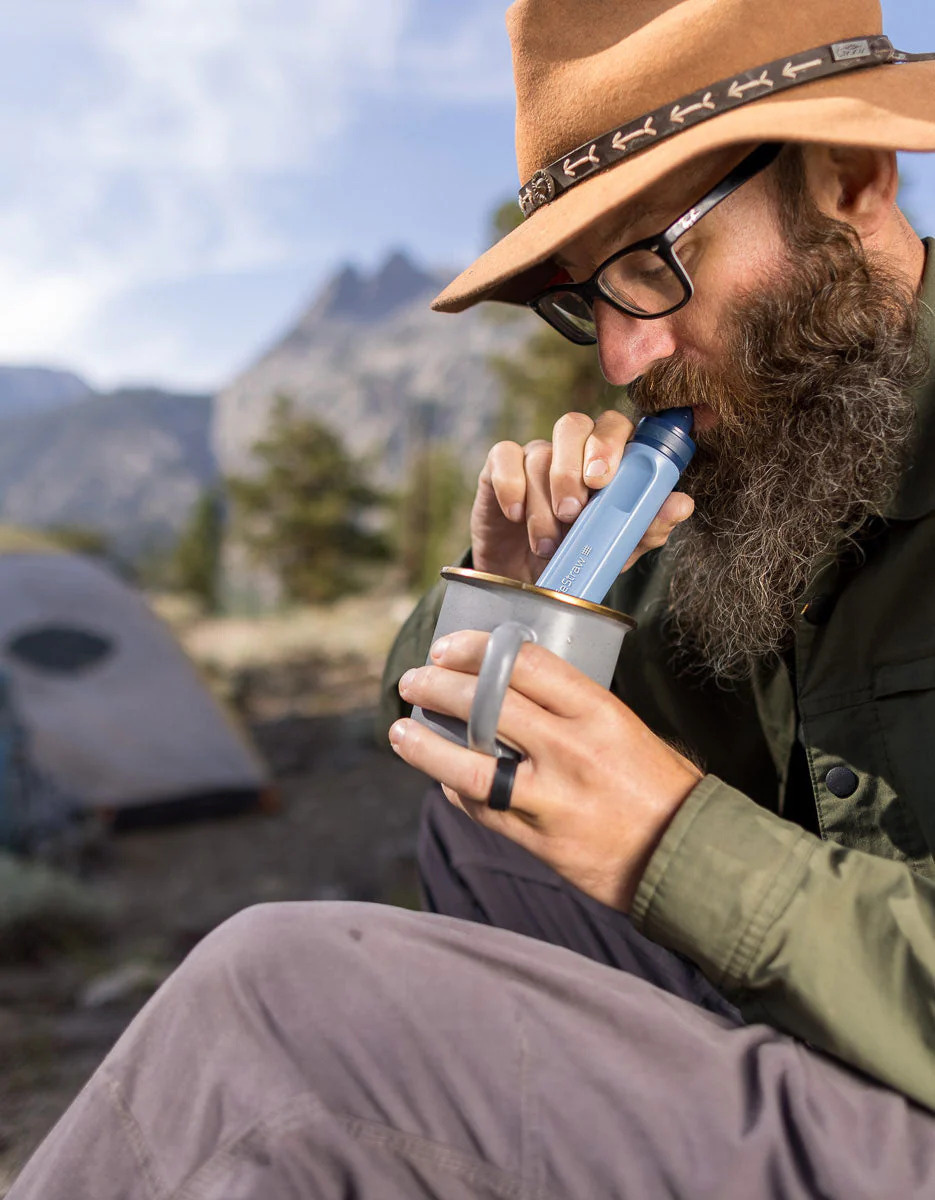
(178,176)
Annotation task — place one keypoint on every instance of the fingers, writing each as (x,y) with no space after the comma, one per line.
(585,454)
(568,493)
(545,529)
(464,773)
(451,691)
(505,472)
(605,446)
(677,508)
(547,483)
(518,476)
(539,677)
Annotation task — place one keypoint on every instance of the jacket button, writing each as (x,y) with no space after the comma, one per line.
(818,610)
(841,782)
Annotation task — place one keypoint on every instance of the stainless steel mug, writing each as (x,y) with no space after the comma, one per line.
(588,636)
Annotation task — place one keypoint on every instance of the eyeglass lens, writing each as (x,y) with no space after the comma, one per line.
(641,282)
(571,314)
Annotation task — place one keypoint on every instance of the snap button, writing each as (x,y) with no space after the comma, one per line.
(841,782)
(818,610)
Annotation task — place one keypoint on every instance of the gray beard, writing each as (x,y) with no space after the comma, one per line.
(815,417)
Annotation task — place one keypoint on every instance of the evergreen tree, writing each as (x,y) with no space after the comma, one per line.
(196,561)
(432,514)
(308,515)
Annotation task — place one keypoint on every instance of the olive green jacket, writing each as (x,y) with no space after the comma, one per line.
(831,938)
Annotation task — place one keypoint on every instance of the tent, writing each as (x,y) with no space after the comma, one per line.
(116,714)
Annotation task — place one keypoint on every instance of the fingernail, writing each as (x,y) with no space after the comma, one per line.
(569,509)
(406,681)
(441,648)
(545,547)
(515,512)
(596,468)
(397,734)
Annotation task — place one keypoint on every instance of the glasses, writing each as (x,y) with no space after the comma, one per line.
(646,280)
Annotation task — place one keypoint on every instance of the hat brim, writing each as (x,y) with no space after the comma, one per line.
(888,107)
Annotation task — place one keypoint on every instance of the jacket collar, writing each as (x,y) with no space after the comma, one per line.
(916,495)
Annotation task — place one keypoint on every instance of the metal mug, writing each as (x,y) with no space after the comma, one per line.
(588,636)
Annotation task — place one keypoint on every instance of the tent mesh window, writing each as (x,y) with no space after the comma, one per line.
(59,649)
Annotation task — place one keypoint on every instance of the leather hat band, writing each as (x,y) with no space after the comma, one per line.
(610,148)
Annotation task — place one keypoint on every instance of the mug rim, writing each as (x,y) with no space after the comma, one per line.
(600,609)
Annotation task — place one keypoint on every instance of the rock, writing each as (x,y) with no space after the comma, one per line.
(370,359)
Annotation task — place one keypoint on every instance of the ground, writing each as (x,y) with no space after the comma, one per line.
(345,827)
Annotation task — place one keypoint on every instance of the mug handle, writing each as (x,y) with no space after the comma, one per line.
(505,643)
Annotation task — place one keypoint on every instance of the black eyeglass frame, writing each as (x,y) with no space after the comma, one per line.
(662,245)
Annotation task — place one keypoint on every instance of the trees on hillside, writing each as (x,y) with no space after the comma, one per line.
(308,514)
(432,515)
(195,564)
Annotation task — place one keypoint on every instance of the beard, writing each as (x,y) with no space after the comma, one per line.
(815,417)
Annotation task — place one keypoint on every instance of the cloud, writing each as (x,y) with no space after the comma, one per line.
(467,62)
(226,86)
(146,140)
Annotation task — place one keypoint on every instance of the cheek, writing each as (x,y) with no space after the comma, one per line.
(742,263)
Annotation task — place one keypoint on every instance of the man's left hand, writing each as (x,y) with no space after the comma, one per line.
(596,790)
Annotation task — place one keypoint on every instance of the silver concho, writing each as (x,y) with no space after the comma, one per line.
(538,191)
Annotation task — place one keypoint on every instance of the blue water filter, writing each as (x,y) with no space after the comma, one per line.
(614,520)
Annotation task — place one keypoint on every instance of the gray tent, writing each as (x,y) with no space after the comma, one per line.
(116,714)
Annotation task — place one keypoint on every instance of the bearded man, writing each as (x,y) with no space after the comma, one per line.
(713,975)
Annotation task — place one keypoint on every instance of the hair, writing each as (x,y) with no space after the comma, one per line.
(815,418)
(804,225)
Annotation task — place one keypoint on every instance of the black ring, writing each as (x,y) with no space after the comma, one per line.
(501,790)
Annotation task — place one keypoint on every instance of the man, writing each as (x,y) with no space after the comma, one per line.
(784,667)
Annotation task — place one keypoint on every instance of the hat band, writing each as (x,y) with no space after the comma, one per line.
(554,180)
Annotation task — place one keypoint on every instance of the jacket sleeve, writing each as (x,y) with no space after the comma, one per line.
(832,945)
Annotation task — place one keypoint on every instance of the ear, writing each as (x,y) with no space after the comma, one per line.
(854,184)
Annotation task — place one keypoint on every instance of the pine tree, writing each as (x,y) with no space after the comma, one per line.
(432,514)
(195,564)
(308,515)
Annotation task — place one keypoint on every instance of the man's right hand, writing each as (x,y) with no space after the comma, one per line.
(528,496)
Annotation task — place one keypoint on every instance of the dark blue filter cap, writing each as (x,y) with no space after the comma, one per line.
(668,432)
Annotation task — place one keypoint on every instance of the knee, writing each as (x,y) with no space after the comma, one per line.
(259,937)
(288,944)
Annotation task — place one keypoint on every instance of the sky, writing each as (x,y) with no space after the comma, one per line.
(178,177)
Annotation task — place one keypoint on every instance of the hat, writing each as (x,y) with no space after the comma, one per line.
(612,95)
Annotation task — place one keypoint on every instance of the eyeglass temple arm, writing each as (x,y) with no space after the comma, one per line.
(745,170)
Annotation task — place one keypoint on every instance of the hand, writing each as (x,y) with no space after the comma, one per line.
(528,496)
(597,789)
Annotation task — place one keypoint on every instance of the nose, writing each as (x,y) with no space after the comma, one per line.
(629,347)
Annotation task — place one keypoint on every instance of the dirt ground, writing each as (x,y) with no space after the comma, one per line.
(345,828)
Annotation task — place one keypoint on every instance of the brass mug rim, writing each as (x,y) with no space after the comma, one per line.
(601,609)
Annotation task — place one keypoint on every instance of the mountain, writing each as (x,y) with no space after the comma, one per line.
(129,464)
(372,360)
(38,389)
(368,356)
(364,299)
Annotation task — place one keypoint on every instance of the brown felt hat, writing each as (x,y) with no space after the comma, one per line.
(612,95)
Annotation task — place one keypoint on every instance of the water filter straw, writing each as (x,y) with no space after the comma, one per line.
(614,520)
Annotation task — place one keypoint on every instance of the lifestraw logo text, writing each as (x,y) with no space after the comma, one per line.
(568,581)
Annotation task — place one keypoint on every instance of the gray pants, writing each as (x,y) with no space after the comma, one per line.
(337,1050)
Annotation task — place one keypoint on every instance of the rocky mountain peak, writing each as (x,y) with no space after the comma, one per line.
(353,295)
